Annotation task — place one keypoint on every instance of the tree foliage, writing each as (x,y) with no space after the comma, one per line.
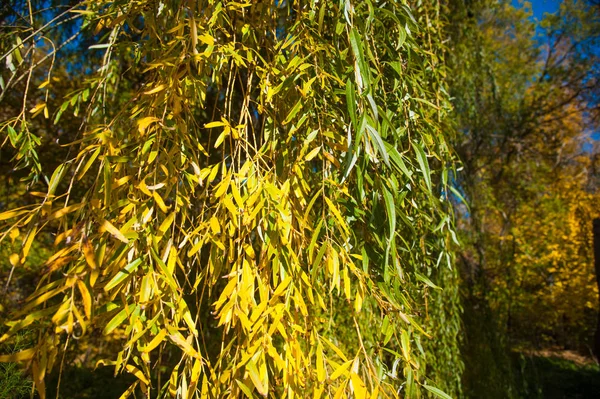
(526,96)
(254,200)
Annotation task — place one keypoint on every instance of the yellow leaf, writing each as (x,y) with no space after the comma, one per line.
(236,196)
(14,233)
(249,251)
(215,124)
(129,390)
(38,108)
(358,302)
(28,242)
(320,364)
(189,350)
(337,214)
(346,279)
(145,122)
(164,226)
(123,274)
(156,89)
(360,391)
(14,259)
(114,231)
(12,214)
(39,372)
(222,187)
(61,212)
(160,202)
(230,205)
(86,297)
(214,225)
(207,39)
(221,137)
(312,154)
(187,317)
(156,341)
(18,356)
(173,382)
(256,378)
(135,371)
(335,349)
(341,390)
(144,188)
(282,286)
(196,369)
(172,260)
(88,253)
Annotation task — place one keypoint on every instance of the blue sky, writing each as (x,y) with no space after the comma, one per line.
(540,7)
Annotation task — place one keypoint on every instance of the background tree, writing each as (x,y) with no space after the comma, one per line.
(526,102)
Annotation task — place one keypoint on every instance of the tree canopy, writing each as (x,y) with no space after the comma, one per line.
(251,198)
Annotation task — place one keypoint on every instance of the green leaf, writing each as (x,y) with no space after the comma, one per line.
(118,319)
(396,158)
(123,274)
(362,68)
(351,103)
(390,208)
(424,279)
(55,179)
(244,389)
(436,391)
(378,142)
(424,165)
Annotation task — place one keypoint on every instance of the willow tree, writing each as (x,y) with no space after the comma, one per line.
(256,202)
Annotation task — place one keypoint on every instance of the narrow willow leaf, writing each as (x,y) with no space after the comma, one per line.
(114,231)
(89,163)
(390,208)
(86,298)
(247,391)
(360,390)
(129,390)
(18,356)
(157,89)
(337,214)
(127,271)
(165,272)
(376,139)
(312,154)
(13,213)
(157,340)
(137,372)
(362,71)
(145,122)
(182,343)
(423,164)
(55,179)
(256,378)
(118,319)
(437,392)
(397,160)
(427,281)
(295,109)
(28,242)
(351,103)
(341,370)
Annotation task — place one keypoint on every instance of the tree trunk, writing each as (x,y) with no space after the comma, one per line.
(597,267)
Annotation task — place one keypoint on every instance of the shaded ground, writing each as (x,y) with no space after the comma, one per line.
(558,375)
